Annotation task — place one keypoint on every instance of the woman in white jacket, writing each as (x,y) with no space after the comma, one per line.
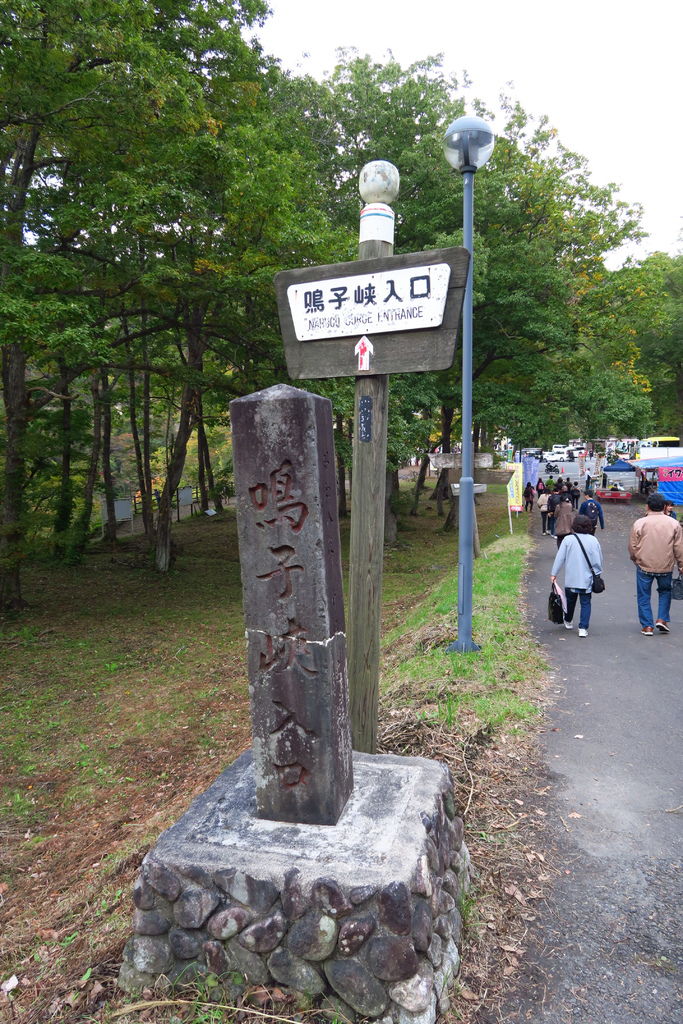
(578,578)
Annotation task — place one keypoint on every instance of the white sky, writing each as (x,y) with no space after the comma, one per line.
(607,73)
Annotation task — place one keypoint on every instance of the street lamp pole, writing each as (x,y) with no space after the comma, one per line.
(468,144)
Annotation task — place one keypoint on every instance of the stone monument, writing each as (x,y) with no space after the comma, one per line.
(338,876)
(285,485)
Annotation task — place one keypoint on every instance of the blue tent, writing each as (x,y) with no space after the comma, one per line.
(672,489)
(618,467)
(676,460)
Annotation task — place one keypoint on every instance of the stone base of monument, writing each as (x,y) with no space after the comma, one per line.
(362,916)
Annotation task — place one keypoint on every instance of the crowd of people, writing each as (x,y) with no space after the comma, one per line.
(557,501)
(655,545)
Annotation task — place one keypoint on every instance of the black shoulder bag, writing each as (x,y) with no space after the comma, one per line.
(598,582)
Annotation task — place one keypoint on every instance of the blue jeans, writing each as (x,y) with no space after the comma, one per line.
(584,597)
(551,525)
(644,582)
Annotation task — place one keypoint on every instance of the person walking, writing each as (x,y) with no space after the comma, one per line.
(655,544)
(529,497)
(592,508)
(564,517)
(540,486)
(578,577)
(553,502)
(575,492)
(669,509)
(542,505)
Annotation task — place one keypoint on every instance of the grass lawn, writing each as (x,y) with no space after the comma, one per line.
(123,695)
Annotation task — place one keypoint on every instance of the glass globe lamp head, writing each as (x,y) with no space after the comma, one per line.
(468,143)
(378,182)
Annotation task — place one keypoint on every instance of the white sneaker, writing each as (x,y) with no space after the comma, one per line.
(583,632)
(568,625)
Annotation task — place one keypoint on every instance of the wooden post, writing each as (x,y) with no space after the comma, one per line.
(355,321)
(367,532)
(366,556)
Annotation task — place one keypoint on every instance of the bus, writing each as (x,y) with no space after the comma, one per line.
(664,446)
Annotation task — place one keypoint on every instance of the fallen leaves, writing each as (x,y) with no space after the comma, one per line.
(516,893)
(469,995)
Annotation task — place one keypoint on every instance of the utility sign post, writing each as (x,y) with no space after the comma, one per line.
(406,307)
(377,315)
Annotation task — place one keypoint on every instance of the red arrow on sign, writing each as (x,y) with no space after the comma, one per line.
(364,350)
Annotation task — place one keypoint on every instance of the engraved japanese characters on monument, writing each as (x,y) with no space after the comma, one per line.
(288,870)
(293,604)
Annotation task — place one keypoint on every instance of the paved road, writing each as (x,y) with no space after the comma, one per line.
(608,948)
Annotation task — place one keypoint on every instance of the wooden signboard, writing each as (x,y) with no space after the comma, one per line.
(396,314)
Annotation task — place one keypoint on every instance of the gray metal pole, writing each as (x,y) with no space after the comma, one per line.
(464,641)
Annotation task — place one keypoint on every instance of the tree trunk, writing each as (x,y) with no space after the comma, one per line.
(201,464)
(163,557)
(188,415)
(64,509)
(342,507)
(11,535)
(441,489)
(452,520)
(18,170)
(82,525)
(214,493)
(110,525)
(390,521)
(147,443)
(144,484)
(420,482)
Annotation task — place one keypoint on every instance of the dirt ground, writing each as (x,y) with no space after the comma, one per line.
(70,854)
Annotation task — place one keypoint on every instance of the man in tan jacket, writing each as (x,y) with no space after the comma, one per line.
(655,544)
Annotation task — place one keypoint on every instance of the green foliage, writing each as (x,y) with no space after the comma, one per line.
(158,170)
(542,294)
(660,343)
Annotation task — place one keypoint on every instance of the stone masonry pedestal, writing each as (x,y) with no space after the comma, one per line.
(363,916)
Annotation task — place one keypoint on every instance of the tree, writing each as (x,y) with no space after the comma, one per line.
(87,89)
(660,345)
(542,296)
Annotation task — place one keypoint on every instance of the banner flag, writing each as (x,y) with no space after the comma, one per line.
(670,483)
(515,488)
(531,469)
